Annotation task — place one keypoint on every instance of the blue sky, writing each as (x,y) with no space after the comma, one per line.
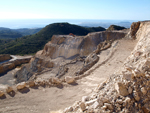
(75,9)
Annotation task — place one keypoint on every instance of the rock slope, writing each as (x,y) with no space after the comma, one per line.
(72,50)
(128,91)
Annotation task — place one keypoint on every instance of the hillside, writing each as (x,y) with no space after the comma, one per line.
(33,43)
(6,33)
(27,31)
(115,27)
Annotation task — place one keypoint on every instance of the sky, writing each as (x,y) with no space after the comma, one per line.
(75,9)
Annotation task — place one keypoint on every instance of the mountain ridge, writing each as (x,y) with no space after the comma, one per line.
(31,44)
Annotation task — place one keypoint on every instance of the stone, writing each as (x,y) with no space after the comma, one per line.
(96,105)
(2,93)
(85,98)
(21,85)
(69,79)
(136,96)
(137,73)
(143,90)
(56,81)
(101,86)
(31,83)
(121,89)
(82,106)
(109,106)
(130,90)
(127,101)
(90,102)
(9,89)
(69,109)
(127,75)
(119,101)
(104,107)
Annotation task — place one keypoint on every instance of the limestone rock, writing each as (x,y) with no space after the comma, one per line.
(69,79)
(31,83)
(82,106)
(56,81)
(4,57)
(88,103)
(109,106)
(9,89)
(85,98)
(69,109)
(127,75)
(143,90)
(21,85)
(2,93)
(97,104)
(130,90)
(121,89)
(136,96)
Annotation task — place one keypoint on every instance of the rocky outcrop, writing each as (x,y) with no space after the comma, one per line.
(4,67)
(68,47)
(127,92)
(71,46)
(4,57)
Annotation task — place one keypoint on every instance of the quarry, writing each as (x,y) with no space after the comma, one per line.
(102,72)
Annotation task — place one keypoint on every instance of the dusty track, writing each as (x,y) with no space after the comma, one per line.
(43,100)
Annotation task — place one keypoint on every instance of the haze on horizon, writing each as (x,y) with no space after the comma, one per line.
(75,9)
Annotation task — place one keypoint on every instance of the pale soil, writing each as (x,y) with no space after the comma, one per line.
(43,100)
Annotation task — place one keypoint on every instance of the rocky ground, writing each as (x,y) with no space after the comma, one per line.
(43,100)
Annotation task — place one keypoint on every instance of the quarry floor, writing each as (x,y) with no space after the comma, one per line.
(44,100)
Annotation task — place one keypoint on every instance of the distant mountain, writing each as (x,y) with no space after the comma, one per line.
(26,31)
(8,33)
(115,27)
(35,42)
(106,24)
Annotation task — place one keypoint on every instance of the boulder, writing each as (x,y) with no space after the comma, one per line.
(9,89)
(31,83)
(85,98)
(82,106)
(109,106)
(121,89)
(21,85)
(90,102)
(2,93)
(69,109)
(69,79)
(56,81)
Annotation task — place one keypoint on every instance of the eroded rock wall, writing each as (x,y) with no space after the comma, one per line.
(127,92)
(67,47)
(4,57)
(72,46)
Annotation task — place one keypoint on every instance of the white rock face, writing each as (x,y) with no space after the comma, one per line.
(121,89)
(21,85)
(69,79)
